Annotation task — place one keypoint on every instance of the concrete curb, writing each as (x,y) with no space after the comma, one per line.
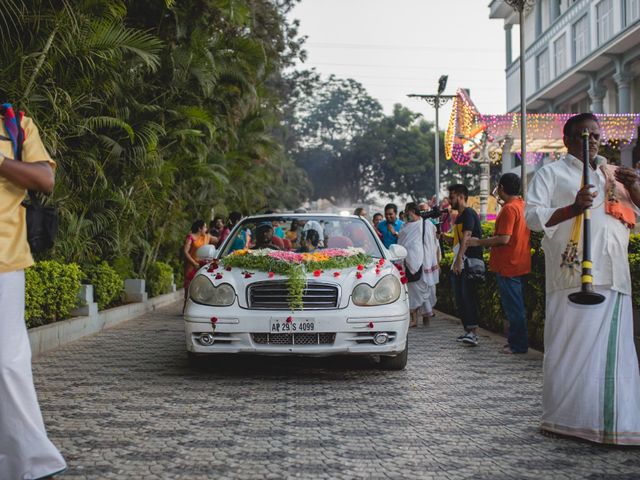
(45,338)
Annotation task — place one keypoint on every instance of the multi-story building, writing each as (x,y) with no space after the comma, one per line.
(580,55)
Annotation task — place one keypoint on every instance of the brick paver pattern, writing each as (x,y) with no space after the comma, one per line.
(124,404)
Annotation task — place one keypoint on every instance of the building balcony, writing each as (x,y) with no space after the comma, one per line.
(583,47)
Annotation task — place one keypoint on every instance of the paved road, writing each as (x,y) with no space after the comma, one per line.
(124,404)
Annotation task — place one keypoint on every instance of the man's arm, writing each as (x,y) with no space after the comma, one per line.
(464,244)
(495,241)
(36,176)
(584,200)
(629,178)
(392,230)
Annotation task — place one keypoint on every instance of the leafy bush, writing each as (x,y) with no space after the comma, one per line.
(634,264)
(124,268)
(488,229)
(34,298)
(159,279)
(634,244)
(107,284)
(51,291)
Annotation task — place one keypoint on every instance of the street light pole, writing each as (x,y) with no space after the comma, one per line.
(520,6)
(436,101)
(485,170)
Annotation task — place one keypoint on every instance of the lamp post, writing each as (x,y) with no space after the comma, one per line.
(436,101)
(483,158)
(520,6)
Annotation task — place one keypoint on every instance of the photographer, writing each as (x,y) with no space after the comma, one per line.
(419,237)
(25,450)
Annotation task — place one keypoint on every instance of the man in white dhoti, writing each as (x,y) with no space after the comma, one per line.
(25,451)
(591,376)
(418,236)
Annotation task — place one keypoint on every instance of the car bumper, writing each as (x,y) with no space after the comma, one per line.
(351,332)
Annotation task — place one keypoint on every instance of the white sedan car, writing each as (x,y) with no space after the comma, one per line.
(300,284)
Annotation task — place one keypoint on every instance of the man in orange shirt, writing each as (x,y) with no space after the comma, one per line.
(510,259)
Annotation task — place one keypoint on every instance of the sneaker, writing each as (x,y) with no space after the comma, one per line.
(461,337)
(470,339)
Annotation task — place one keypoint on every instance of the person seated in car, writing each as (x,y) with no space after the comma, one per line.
(309,242)
(264,237)
(318,227)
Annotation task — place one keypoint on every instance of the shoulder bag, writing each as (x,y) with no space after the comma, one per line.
(474,269)
(42,221)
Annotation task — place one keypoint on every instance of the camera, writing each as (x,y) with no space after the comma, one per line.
(434,213)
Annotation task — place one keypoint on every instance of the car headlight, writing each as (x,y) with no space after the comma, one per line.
(203,291)
(386,291)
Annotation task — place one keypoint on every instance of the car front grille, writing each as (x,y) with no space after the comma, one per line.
(275,296)
(293,338)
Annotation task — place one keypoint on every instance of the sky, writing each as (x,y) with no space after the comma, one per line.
(397,47)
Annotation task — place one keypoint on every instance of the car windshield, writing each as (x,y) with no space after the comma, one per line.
(306,233)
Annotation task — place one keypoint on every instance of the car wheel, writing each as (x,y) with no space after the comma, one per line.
(397,362)
(194,360)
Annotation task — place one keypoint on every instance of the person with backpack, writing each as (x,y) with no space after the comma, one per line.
(25,450)
(465,263)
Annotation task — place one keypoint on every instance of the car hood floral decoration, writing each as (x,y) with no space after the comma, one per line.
(296,266)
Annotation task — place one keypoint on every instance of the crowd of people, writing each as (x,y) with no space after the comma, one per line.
(591,377)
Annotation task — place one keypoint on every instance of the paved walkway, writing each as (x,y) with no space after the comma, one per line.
(124,404)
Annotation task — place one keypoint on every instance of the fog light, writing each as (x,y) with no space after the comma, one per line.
(381,338)
(206,339)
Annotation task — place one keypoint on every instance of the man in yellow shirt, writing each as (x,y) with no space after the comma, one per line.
(25,450)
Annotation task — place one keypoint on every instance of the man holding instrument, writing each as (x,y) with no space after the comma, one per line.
(591,377)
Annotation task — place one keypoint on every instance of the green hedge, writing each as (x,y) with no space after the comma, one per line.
(124,268)
(51,291)
(107,284)
(159,279)
(491,316)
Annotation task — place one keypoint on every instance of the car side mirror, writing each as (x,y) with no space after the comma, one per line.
(398,252)
(206,252)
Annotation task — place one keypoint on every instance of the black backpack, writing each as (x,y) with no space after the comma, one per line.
(42,221)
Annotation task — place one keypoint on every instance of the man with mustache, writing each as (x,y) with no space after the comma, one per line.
(591,378)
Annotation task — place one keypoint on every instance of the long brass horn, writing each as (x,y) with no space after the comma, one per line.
(586,295)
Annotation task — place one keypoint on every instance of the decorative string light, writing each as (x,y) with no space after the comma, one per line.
(533,158)
(544,130)
(458,155)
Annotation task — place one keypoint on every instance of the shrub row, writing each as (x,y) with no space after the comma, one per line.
(51,290)
(491,316)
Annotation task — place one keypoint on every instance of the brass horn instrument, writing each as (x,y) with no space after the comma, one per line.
(586,295)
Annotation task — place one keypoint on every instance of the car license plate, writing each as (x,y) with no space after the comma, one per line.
(294,325)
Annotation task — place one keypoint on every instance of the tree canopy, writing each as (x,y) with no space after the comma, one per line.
(351,151)
(156,113)
(161,112)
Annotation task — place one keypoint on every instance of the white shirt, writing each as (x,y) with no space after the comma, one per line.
(554,186)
